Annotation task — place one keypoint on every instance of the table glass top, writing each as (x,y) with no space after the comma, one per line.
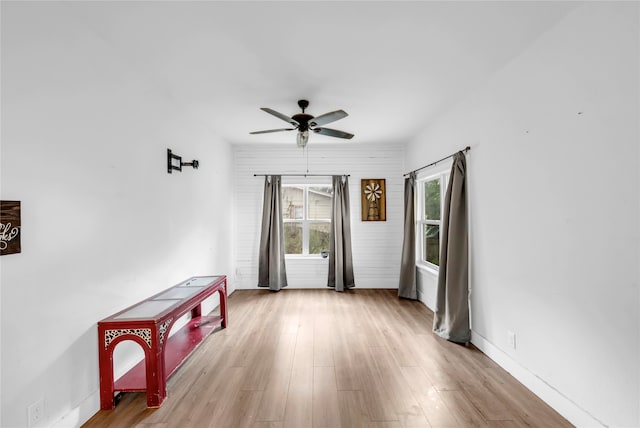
(148,309)
(168,298)
(178,293)
(199,281)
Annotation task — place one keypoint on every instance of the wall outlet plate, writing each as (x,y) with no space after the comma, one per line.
(35,413)
(511,339)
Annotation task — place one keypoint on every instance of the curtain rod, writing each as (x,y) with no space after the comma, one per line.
(466,149)
(301,175)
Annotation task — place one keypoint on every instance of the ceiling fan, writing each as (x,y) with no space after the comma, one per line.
(304,123)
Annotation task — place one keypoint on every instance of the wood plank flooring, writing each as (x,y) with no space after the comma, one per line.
(317,358)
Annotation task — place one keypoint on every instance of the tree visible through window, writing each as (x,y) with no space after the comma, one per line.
(307,218)
(430,211)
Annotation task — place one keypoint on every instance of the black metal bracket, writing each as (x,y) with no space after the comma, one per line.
(174,162)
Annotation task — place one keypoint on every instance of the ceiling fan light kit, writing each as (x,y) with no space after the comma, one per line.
(303,123)
(302,138)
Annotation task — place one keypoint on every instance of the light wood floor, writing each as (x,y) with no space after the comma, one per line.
(317,358)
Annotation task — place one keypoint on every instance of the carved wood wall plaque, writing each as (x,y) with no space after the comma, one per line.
(374,199)
(9,227)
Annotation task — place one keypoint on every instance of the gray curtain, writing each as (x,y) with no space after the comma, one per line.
(271,267)
(451,320)
(340,260)
(407,285)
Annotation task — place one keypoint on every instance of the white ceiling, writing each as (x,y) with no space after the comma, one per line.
(391,65)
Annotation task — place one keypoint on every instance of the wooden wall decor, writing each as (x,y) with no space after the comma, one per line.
(374,199)
(9,227)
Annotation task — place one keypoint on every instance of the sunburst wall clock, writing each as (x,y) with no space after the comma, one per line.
(374,199)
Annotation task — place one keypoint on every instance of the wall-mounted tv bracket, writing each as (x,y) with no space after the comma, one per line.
(174,162)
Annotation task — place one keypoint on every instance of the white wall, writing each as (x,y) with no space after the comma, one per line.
(554,206)
(377,245)
(84,139)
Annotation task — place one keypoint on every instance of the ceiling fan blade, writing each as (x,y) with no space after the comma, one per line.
(280,116)
(272,130)
(328,117)
(333,133)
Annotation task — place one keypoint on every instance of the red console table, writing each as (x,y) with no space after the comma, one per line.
(148,323)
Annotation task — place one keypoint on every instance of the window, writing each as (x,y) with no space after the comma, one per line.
(430,196)
(306,213)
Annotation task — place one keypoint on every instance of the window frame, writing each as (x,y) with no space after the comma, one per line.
(441,174)
(305,220)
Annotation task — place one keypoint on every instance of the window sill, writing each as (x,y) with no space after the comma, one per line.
(427,269)
(304,257)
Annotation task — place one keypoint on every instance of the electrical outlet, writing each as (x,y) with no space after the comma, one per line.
(511,339)
(35,413)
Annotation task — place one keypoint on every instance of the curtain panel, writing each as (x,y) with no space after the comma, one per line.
(340,258)
(451,316)
(271,264)
(407,285)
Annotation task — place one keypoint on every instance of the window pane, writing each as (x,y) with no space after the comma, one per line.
(431,251)
(293,238)
(292,200)
(319,237)
(320,203)
(432,199)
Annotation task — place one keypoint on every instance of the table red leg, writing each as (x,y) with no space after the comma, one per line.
(196,312)
(105,356)
(223,305)
(156,381)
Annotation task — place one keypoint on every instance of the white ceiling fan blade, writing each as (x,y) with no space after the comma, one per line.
(271,130)
(280,116)
(327,118)
(333,133)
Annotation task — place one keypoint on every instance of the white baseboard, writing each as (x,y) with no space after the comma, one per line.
(81,413)
(554,398)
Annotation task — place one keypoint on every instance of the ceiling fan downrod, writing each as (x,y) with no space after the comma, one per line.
(303,104)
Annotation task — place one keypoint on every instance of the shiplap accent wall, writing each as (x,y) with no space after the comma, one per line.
(377,246)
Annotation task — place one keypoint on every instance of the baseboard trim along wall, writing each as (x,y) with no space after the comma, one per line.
(81,413)
(547,393)
(567,408)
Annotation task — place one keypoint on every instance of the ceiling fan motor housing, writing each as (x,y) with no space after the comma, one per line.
(303,119)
